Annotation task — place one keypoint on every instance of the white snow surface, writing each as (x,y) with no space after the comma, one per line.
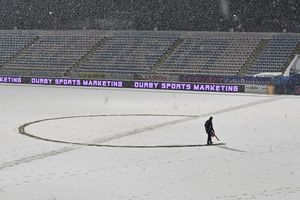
(260,159)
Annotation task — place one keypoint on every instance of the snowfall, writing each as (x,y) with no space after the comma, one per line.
(112,144)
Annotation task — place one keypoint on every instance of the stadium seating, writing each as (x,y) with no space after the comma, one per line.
(128,54)
(67,53)
(53,53)
(221,56)
(11,44)
(274,58)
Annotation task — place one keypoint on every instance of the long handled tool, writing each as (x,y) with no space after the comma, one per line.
(216,137)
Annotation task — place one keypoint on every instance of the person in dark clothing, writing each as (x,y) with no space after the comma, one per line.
(209,130)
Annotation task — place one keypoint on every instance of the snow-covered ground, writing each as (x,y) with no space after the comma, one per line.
(155,139)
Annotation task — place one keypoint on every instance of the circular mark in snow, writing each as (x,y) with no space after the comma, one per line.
(181,118)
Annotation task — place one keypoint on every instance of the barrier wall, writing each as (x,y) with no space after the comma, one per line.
(250,80)
(231,88)
(257,89)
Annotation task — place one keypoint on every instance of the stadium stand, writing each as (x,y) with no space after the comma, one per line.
(67,53)
(11,44)
(52,54)
(274,58)
(219,56)
(128,54)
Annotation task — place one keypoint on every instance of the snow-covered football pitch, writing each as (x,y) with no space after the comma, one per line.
(59,143)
